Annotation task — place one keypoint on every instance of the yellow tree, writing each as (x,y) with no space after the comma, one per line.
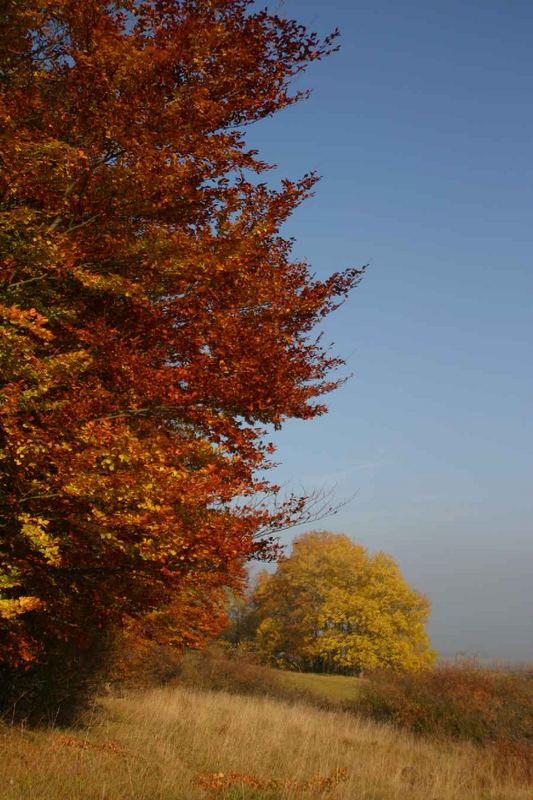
(330,606)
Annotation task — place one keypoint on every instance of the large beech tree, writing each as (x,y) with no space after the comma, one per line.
(332,607)
(152,321)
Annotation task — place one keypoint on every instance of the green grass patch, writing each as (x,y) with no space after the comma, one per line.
(334,688)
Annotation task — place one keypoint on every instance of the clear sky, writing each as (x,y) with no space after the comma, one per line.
(422,128)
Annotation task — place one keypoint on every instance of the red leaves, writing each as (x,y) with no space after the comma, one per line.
(152,317)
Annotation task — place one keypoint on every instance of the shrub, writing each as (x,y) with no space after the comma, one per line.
(60,687)
(464,701)
(141,663)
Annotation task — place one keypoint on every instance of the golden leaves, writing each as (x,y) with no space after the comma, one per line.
(28,320)
(110,284)
(12,609)
(34,530)
(331,604)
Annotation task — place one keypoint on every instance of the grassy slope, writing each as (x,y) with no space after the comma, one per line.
(156,745)
(335,688)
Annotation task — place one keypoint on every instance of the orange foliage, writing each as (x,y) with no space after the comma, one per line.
(84,744)
(152,321)
(463,700)
(216,782)
(148,650)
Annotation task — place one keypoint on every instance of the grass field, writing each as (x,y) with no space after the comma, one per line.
(184,744)
(335,688)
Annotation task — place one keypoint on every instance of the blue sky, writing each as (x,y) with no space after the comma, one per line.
(422,128)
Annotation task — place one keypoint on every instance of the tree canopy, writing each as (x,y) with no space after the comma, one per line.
(152,320)
(330,606)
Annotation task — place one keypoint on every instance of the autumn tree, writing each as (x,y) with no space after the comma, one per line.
(152,320)
(330,606)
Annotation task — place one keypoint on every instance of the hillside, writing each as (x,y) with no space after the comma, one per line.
(183,744)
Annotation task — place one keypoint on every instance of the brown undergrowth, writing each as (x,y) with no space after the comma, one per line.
(490,706)
(464,700)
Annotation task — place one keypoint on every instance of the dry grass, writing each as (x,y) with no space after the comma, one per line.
(173,744)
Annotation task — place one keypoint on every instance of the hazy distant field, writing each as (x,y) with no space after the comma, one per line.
(182,744)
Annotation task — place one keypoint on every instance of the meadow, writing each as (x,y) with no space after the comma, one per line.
(333,688)
(182,743)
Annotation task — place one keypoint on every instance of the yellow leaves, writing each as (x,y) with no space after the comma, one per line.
(49,372)
(34,530)
(180,474)
(331,604)
(112,284)
(55,161)
(9,578)
(29,320)
(72,363)
(10,609)
(149,505)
